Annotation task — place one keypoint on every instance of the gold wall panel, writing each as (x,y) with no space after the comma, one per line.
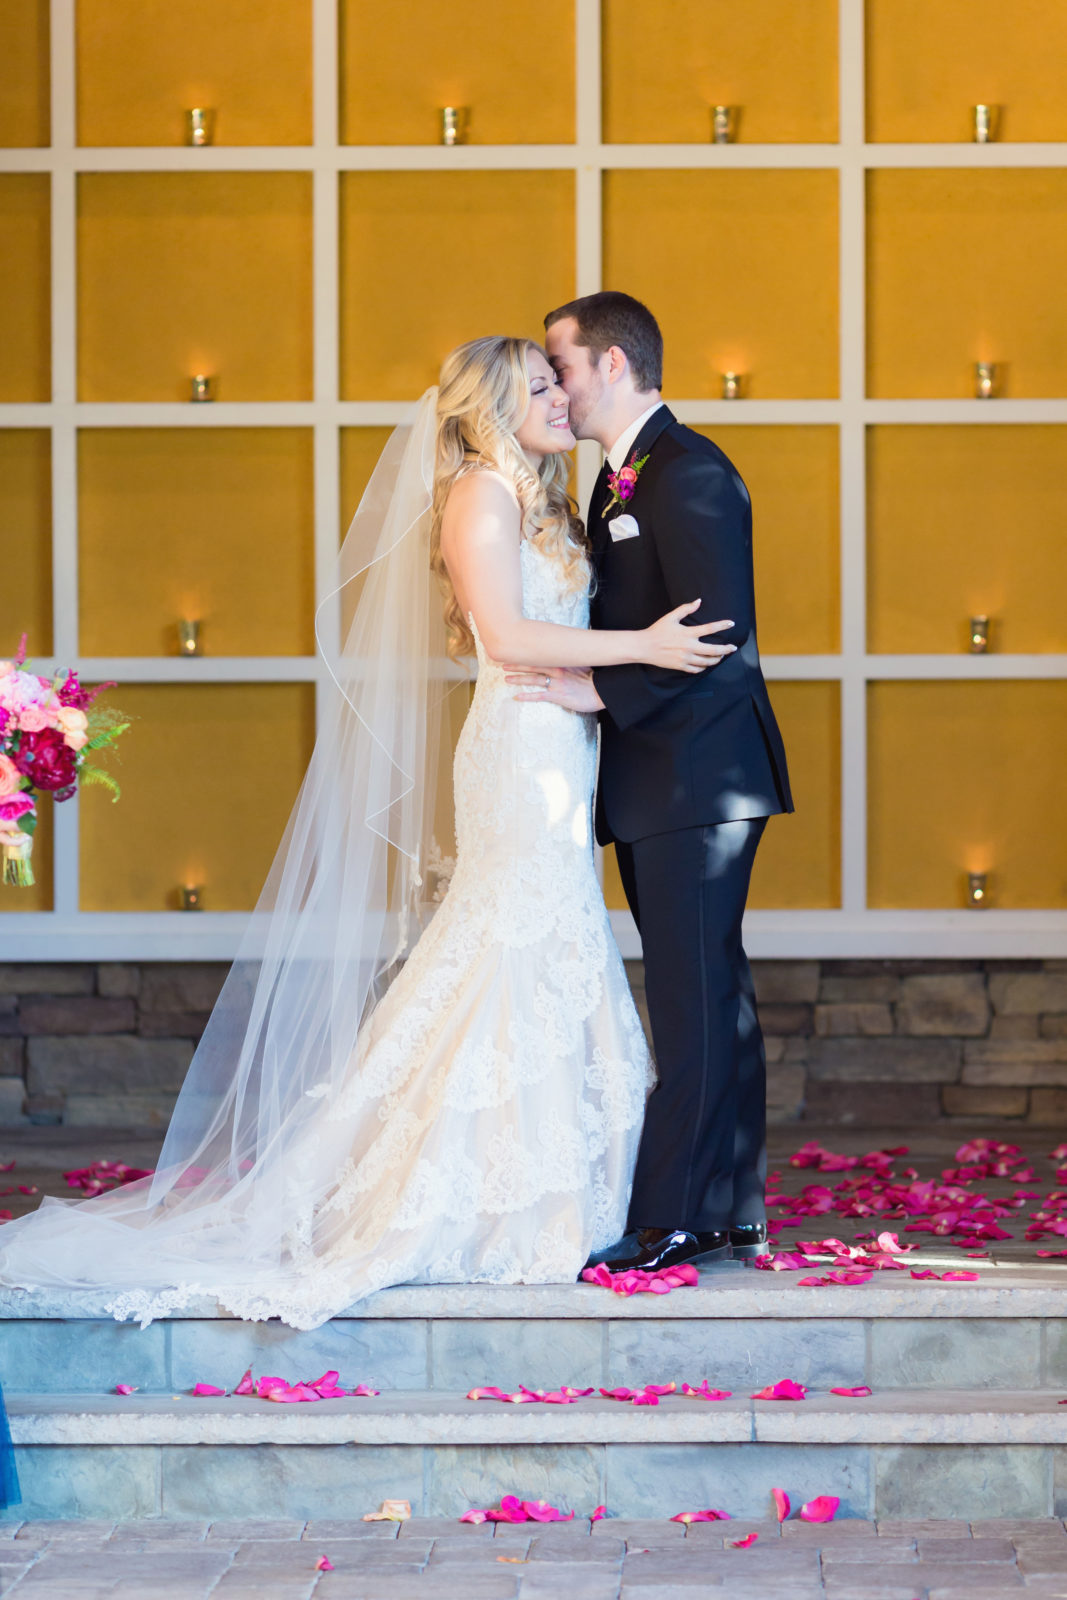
(25,287)
(740,268)
(798,866)
(210,523)
(360,449)
(40,896)
(930,61)
(140,67)
(400,63)
(962,522)
(793,476)
(966,266)
(666,66)
(430,259)
(26,539)
(25,98)
(209,773)
(228,255)
(967,777)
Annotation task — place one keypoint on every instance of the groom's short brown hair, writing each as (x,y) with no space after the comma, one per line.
(611,318)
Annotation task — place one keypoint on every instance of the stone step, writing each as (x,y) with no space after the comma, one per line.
(892,1416)
(894,1455)
(740,1329)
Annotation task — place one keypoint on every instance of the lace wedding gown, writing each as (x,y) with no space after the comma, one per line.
(487,1129)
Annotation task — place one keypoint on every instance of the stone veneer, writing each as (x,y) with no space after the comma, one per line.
(871,1042)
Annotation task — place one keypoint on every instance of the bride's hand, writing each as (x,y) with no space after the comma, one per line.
(681,647)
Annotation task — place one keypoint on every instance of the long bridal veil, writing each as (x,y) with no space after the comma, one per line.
(233,1209)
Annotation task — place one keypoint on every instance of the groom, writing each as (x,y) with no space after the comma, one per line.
(691,767)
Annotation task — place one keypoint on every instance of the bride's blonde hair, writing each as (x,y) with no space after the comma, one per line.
(484,394)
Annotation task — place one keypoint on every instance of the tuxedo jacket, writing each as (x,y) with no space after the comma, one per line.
(679,750)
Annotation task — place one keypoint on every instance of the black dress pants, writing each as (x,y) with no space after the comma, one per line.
(702,1163)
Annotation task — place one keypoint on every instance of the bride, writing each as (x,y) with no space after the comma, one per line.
(372,1104)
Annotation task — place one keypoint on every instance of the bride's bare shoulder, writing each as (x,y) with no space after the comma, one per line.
(482,491)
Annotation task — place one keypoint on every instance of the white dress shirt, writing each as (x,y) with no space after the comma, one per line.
(621,448)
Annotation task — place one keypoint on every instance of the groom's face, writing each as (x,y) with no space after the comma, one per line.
(577,373)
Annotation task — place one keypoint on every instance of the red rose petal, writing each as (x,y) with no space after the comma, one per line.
(781,1501)
(743,1544)
(324,1564)
(822,1509)
(859,1390)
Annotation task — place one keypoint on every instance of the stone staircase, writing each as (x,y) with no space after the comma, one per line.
(964,1419)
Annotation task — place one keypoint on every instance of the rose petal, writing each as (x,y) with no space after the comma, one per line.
(618,1394)
(959,1277)
(810,1283)
(363,1389)
(822,1509)
(743,1544)
(541,1511)
(476,1517)
(781,1501)
(786,1389)
(860,1389)
(206,1388)
(125,1388)
(702,1516)
(324,1564)
(599,1514)
(705,1392)
(246,1385)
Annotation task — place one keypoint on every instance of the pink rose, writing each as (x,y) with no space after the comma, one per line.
(627,475)
(10,777)
(16,806)
(33,719)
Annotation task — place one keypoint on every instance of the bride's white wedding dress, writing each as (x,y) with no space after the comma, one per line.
(487,1128)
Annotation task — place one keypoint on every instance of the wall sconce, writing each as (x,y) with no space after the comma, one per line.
(455,124)
(986,124)
(192,896)
(731,385)
(977,889)
(200,125)
(201,388)
(979,635)
(724,120)
(188,637)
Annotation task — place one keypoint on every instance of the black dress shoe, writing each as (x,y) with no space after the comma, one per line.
(748,1239)
(651,1249)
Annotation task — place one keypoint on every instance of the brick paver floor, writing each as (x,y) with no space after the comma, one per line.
(436,1559)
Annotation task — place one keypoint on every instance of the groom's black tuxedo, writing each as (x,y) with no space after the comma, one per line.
(677,750)
(690,769)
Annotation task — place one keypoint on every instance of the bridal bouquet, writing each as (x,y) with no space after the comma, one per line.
(48,728)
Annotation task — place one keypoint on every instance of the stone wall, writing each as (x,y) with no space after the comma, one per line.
(873,1042)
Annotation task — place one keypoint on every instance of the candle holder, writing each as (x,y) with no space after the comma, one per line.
(201,388)
(200,125)
(978,890)
(986,379)
(732,383)
(986,124)
(979,635)
(724,121)
(192,896)
(188,637)
(455,124)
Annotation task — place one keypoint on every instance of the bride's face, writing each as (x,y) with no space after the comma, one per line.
(545,429)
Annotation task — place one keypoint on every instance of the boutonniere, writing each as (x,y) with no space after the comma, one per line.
(623,483)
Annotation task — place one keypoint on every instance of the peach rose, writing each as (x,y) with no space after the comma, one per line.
(6,668)
(77,739)
(10,776)
(33,719)
(71,720)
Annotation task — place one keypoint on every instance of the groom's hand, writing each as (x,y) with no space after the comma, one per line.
(569,687)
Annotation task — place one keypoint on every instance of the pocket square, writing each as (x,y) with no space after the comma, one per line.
(624,527)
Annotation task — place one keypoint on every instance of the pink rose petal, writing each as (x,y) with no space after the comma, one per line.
(781,1502)
(363,1389)
(786,1389)
(246,1385)
(125,1388)
(206,1388)
(702,1516)
(600,1512)
(324,1564)
(743,1544)
(477,1517)
(853,1394)
(822,1509)
(541,1511)
(959,1277)
(705,1392)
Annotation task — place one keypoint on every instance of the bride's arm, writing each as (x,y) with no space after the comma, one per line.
(480,544)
